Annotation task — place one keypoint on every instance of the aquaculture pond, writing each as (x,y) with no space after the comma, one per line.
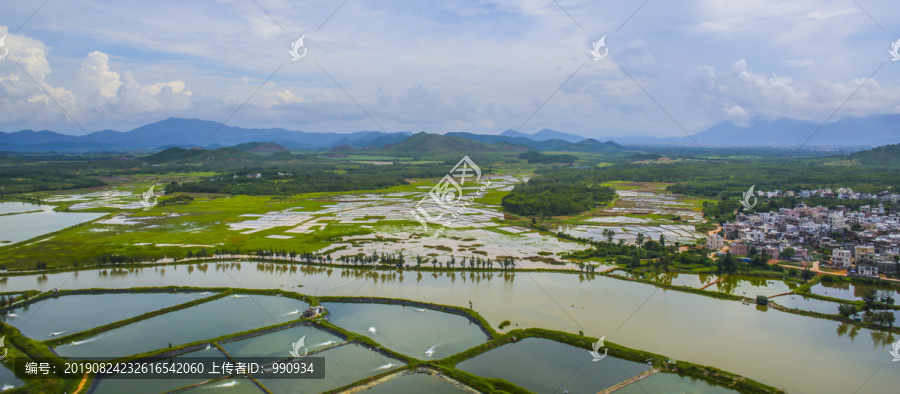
(670,383)
(8,379)
(752,286)
(343,365)
(850,291)
(679,325)
(212,319)
(154,386)
(232,385)
(17,227)
(414,331)
(806,303)
(64,315)
(278,343)
(545,366)
(415,384)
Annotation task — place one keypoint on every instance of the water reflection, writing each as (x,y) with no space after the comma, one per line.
(850,291)
(673,323)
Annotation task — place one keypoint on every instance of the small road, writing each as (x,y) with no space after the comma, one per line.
(815,268)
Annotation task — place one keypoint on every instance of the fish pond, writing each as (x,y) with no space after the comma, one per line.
(414,331)
(545,366)
(212,319)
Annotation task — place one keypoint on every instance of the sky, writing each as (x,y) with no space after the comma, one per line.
(481,66)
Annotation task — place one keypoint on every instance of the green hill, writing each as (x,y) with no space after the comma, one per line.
(882,156)
(592,145)
(424,144)
(196,155)
(263,148)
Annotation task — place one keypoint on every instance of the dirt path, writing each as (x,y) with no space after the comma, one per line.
(782,294)
(815,268)
(630,381)
(81,384)
(713,282)
(404,373)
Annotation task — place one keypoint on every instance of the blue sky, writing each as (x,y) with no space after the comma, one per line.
(438,66)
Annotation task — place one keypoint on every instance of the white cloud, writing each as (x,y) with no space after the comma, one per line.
(775,96)
(832,14)
(95,75)
(476,65)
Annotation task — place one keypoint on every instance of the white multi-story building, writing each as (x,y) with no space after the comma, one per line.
(835,220)
(756,235)
(715,242)
(842,258)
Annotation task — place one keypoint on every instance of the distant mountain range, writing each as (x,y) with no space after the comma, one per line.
(869,131)
(429,145)
(544,135)
(186,133)
(874,130)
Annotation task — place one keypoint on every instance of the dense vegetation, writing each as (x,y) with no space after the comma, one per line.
(542,158)
(20,176)
(562,193)
(309,178)
(882,156)
(718,178)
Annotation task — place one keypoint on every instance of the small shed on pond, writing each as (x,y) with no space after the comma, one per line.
(314,311)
